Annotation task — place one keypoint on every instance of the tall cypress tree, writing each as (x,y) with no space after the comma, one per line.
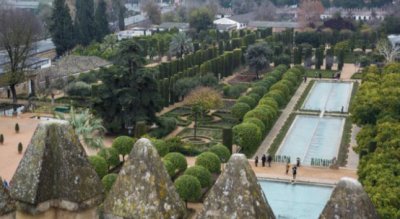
(85,26)
(61,28)
(101,20)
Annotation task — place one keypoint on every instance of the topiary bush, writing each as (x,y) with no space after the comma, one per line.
(257,122)
(210,161)
(188,187)
(1,139)
(161,146)
(178,160)
(79,89)
(20,148)
(255,96)
(111,156)
(169,166)
(109,180)
(278,96)
(201,173)
(221,151)
(260,90)
(16,127)
(248,100)
(248,136)
(165,126)
(99,164)
(268,101)
(124,145)
(239,110)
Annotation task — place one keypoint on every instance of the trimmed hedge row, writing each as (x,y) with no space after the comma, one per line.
(258,121)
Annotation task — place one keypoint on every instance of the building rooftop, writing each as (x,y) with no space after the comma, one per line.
(273,24)
(170,25)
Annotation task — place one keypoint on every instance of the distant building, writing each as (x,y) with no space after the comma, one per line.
(276,26)
(355,14)
(394,39)
(235,22)
(134,32)
(182,27)
(223,12)
(31,5)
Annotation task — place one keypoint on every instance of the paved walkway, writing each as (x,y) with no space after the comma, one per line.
(281,120)
(348,71)
(353,157)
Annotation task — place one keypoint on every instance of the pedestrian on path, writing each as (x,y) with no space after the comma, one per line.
(341,111)
(287,167)
(298,162)
(5,184)
(256,161)
(305,78)
(263,159)
(294,172)
(269,159)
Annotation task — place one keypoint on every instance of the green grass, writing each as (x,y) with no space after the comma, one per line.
(304,95)
(324,73)
(357,76)
(214,134)
(281,135)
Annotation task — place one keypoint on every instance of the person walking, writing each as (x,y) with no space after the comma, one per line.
(256,161)
(294,172)
(269,160)
(298,162)
(305,78)
(287,167)
(263,159)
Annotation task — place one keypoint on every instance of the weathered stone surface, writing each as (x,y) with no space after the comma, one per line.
(236,194)
(143,188)
(349,200)
(7,204)
(55,172)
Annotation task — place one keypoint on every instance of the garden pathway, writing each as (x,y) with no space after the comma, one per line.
(353,157)
(281,120)
(348,71)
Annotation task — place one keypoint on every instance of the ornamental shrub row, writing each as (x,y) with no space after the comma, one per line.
(258,121)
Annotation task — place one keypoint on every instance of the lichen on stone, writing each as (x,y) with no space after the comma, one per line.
(349,200)
(7,204)
(236,194)
(143,188)
(55,170)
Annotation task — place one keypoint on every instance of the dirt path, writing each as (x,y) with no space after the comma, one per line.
(348,71)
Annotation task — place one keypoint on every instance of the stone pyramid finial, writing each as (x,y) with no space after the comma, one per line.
(236,194)
(349,200)
(55,172)
(7,204)
(143,188)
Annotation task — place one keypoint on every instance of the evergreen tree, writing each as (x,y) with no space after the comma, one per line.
(101,20)
(61,28)
(85,25)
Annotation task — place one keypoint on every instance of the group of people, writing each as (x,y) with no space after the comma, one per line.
(268,159)
(264,159)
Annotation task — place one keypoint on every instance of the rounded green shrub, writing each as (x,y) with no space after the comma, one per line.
(257,122)
(123,144)
(79,89)
(188,187)
(110,155)
(268,101)
(255,96)
(178,160)
(221,151)
(278,96)
(261,113)
(201,173)
(248,100)
(210,161)
(99,164)
(170,168)
(161,146)
(248,136)
(239,110)
(109,180)
(281,87)
(259,90)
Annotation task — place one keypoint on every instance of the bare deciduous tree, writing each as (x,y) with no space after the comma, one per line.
(153,11)
(19,29)
(387,50)
(309,12)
